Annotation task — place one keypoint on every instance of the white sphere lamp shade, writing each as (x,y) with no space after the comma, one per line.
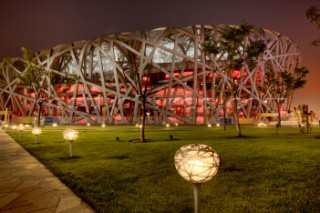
(21,127)
(197,163)
(70,134)
(36,131)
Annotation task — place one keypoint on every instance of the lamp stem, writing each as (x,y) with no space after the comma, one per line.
(36,138)
(196,190)
(70,147)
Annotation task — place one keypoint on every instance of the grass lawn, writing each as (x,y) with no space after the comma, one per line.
(262,172)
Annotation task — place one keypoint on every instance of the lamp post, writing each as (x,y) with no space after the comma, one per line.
(197,163)
(70,135)
(21,128)
(36,131)
(14,127)
(148,115)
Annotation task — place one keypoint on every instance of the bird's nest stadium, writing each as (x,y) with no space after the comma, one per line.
(186,87)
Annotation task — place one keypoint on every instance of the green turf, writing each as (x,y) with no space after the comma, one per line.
(262,172)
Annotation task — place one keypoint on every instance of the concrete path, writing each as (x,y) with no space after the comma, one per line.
(28,186)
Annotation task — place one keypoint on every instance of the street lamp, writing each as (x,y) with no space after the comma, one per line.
(36,131)
(197,163)
(70,135)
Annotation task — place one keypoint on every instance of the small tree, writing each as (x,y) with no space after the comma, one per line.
(281,86)
(239,49)
(35,77)
(139,73)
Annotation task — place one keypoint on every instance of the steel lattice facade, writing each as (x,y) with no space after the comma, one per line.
(187,87)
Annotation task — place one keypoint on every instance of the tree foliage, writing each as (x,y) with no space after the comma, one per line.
(241,49)
(313,15)
(34,76)
(281,85)
(139,73)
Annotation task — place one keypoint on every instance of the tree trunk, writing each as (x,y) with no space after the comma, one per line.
(224,118)
(143,119)
(40,103)
(236,117)
(278,125)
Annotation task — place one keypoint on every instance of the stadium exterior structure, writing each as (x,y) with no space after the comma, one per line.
(187,87)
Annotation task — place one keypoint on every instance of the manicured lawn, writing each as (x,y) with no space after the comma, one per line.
(262,172)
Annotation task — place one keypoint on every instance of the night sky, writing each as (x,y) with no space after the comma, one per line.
(42,24)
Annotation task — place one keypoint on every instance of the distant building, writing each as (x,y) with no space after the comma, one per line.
(186,86)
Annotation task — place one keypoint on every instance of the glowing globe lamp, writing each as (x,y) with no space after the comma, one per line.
(21,128)
(197,163)
(36,131)
(70,135)
(14,127)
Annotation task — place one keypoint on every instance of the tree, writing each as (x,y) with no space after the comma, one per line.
(138,71)
(240,49)
(313,15)
(35,77)
(281,86)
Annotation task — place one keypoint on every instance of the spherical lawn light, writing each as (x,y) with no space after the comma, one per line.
(20,128)
(197,163)
(14,127)
(70,135)
(36,131)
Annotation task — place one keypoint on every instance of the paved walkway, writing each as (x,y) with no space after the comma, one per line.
(28,186)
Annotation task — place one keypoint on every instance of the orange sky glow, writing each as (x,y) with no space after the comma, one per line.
(38,25)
